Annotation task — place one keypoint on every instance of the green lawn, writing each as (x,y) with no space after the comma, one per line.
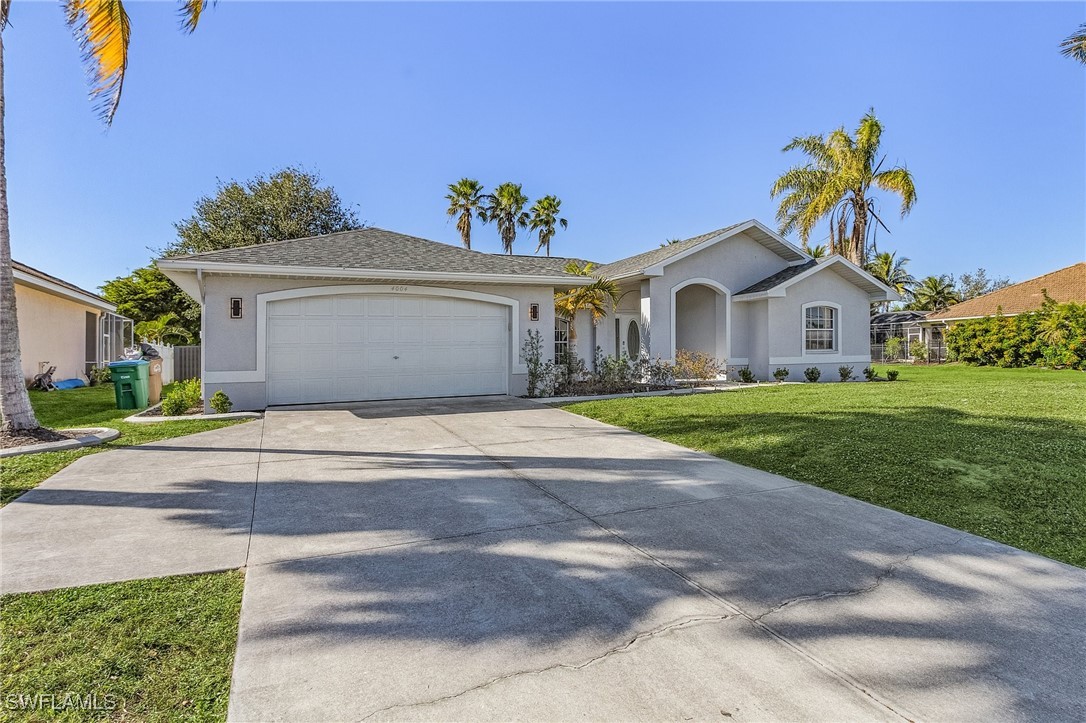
(147,650)
(84,407)
(997,452)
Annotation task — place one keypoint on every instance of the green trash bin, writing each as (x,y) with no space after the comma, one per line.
(129,383)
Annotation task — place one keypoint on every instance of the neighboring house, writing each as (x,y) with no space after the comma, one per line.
(903,325)
(372,314)
(64,326)
(1065,285)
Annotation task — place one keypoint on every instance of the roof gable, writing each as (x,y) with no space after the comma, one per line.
(776,284)
(649,261)
(1064,285)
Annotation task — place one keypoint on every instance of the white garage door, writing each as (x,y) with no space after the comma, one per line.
(352,348)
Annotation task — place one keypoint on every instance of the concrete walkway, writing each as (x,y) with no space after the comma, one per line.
(495,559)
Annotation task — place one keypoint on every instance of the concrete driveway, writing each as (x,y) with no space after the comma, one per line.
(495,559)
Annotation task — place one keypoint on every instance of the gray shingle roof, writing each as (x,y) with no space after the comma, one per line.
(640,262)
(375,248)
(778,278)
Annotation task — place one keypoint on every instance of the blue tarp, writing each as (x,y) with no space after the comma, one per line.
(69,384)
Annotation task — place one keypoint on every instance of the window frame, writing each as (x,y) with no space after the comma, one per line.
(561,328)
(834,328)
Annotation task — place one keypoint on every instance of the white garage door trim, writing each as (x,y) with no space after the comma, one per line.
(260,373)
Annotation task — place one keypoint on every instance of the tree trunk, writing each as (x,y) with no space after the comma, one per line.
(15,409)
(856,247)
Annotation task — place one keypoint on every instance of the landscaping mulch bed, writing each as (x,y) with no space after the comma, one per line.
(40,435)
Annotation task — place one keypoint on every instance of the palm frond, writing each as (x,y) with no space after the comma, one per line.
(1074,46)
(103,31)
(190,14)
(898,180)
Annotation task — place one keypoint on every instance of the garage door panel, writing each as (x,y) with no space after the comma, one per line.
(348,348)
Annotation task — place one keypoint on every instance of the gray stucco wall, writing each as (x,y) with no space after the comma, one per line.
(230,345)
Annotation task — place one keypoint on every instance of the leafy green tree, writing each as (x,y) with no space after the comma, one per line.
(934,293)
(163,330)
(146,295)
(837,183)
(505,208)
(465,199)
(544,220)
(598,298)
(289,203)
(1075,45)
(976,284)
(102,29)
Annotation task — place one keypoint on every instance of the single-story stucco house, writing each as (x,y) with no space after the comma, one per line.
(1063,286)
(372,314)
(64,326)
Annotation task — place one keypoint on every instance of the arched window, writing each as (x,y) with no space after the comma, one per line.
(561,339)
(820,328)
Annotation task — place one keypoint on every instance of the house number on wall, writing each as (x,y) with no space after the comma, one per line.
(399,288)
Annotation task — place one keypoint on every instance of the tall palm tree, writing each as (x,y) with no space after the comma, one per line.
(598,298)
(162,330)
(465,199)
(1075,45)
(102,29)
(544,219)
(818,252)
(837,183)
(505,207)
(890,270)
(934,293)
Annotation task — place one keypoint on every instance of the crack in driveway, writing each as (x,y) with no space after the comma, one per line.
(686,622)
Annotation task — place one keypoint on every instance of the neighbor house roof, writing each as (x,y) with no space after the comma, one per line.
(645,262)
(1065,285)
(37,279)
(909,316)
(374,252)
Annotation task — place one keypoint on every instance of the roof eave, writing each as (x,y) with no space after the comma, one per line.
(45,285)
(349,273)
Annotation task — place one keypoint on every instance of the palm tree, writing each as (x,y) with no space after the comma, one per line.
(817,252)
(598,298)
(837,182)
(162,330)
(505,207)
(102,29)
(934,293)
(890,270)
(465,198)
(544,219)
(1075,45)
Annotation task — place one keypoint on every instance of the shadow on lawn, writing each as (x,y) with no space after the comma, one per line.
(949,627)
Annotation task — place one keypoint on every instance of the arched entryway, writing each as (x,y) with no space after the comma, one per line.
(700,316)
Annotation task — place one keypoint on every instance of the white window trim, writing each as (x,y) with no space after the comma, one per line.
(828,354)
(259,374)
(720,289)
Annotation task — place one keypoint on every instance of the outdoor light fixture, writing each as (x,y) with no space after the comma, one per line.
(533,312)
(235,308)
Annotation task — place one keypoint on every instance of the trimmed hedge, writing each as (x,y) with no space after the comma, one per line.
(1053,336)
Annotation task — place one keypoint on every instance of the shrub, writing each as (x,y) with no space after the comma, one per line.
(894,349)
(220,402)
(99,375)
(812,374)
(870,374)
(532,352)
(656,372)
(780,374)
(846,373)
(891,375)
(746,375)
(1054,335)
(919,351)
(695,365)
(183,397)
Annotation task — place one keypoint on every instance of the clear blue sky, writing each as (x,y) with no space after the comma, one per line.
(650,121)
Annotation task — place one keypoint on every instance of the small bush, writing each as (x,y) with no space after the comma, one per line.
(183,397)
(746,376)
(532,353)
(99,375)
(891,375)
(870,374)
(846,373)
(220,402)
(919,352)
(895,348)
(812,374)
(780,374)
(695,365)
